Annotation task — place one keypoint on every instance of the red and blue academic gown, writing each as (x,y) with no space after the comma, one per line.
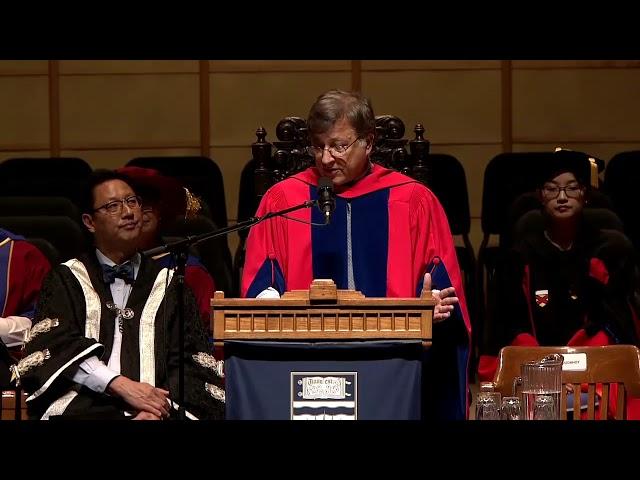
(394,230)
(578,297)
(22,270)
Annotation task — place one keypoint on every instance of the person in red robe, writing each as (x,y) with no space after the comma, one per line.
(388,237)
(22,270)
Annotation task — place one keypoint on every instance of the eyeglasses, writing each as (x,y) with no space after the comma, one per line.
(571,191)
(115,207)
(337,150)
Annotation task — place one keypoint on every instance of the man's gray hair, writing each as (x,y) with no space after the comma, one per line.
(334,105)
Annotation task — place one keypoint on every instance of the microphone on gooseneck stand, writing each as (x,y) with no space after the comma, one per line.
(326,198)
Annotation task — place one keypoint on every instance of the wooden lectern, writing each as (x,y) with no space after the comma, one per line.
(323,354)
(323,313)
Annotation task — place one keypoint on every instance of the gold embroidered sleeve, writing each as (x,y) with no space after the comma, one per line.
(42,326)
(215,391)
(209,361)
(27,363)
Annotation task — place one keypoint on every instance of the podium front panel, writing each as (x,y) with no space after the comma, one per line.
(370,380)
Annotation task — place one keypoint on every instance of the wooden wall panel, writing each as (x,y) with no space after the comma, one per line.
(576,105)
(242,102)
(24,121)
(25,153)
(558,64)
(89,67)
(264,66)
(453,106)
(136,110)
(23,67)
(601,150)
(399,65)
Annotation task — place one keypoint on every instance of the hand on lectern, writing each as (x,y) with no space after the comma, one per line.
(445,300)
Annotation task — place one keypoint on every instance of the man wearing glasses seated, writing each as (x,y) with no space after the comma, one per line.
(105,333)
(567,282)
(387,237)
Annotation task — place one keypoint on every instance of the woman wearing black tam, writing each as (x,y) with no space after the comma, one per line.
(566,281)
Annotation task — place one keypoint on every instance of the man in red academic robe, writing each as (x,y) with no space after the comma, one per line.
(388,236)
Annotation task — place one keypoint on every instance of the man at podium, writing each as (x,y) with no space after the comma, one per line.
(388,236)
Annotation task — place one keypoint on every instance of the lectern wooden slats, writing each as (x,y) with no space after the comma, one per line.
(323,313)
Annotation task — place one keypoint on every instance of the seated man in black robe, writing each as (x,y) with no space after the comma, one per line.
(104,343)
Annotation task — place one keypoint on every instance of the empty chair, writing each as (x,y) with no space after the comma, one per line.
(506,177)
(621,179)
(45,167)
(613,367)
(35,206)
(57,176)
(63,233)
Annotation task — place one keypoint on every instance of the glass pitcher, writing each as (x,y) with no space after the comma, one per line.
(541,386)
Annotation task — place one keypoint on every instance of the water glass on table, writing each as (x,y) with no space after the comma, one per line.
(511,408)
(488,406)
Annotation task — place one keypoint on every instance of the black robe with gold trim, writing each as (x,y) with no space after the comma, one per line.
(76,295)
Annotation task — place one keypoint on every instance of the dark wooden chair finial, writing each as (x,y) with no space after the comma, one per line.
(419,148)
(261,150)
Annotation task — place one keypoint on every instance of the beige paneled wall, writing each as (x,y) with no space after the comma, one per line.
(241,102)
(129,110)
(579,105)
(455,106)
(24,67)
(4,154)
(23,99)
(127,67)
(110,111)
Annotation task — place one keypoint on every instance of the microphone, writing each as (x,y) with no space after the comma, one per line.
(326,198)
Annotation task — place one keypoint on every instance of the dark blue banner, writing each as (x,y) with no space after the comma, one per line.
(377,380)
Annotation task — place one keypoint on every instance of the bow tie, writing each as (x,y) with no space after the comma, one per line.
(124,271)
